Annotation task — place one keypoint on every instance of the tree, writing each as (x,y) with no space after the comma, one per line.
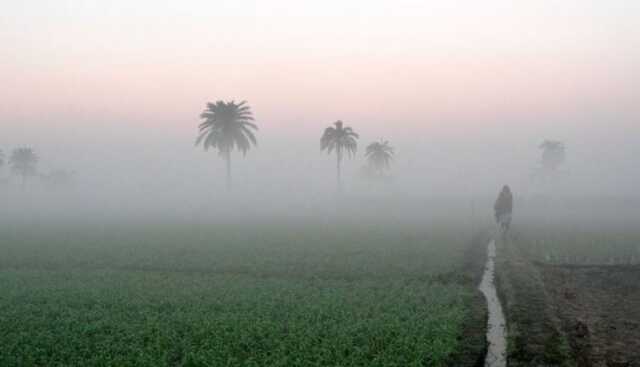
(553,155)
(58,179)
(379,156)
(341,139)
(226,126)
(23,162)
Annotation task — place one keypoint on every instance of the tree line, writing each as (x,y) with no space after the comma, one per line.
(230,125)
(23,162)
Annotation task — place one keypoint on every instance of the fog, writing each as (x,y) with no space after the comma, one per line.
(113,94)
(141,173)
(424,183)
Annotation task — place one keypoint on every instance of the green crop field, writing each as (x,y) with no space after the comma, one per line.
(232,295)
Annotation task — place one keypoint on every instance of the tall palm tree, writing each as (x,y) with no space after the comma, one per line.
(342,140)
(379,155)
(23,162)
(227,125)
(553,154)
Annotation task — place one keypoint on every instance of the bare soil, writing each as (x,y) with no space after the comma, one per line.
(599,312)
(569,315)
(534,336)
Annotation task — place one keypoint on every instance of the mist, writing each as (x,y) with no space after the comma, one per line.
(231,183)
(127,170)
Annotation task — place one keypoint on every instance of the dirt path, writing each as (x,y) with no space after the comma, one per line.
(496,331)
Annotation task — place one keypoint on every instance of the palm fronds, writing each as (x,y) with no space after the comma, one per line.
(340,139)
(379,155)
(227,126)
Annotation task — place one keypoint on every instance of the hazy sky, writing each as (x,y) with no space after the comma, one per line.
(98,76)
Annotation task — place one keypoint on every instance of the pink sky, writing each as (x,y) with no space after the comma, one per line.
(419,65)
(457,86)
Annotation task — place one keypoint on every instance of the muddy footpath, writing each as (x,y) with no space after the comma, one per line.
(496,325)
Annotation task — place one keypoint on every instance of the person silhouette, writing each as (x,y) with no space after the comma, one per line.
(503,208)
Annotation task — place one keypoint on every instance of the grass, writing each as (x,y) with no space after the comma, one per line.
(226,295)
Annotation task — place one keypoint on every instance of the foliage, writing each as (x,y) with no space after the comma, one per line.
(227,125)
(339,138)
(379,155)
(58,178)
(23,162)
(224,295)
(553,154)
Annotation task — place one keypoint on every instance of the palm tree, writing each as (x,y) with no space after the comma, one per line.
(227,125)
(553,154)
(379,155)
(58,179)
(23,162)
(341,139)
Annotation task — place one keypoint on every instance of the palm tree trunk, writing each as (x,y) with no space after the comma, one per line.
(338,169)
(228,160)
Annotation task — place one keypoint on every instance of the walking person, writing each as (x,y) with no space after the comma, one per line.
(503,208)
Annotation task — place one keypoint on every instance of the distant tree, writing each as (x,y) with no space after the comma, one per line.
(3,181)
(58,179)
(553,155)
(226,126)
(342,140)
(23,162)
(379,156)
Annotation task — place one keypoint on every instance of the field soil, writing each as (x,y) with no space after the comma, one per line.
(534,335)
(599,311)
(568,315)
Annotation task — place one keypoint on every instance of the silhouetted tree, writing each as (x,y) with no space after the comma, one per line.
(23,162)
(341,139)
(553,155)
(379,156)
(227,125)
(3,180)
(58,179)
